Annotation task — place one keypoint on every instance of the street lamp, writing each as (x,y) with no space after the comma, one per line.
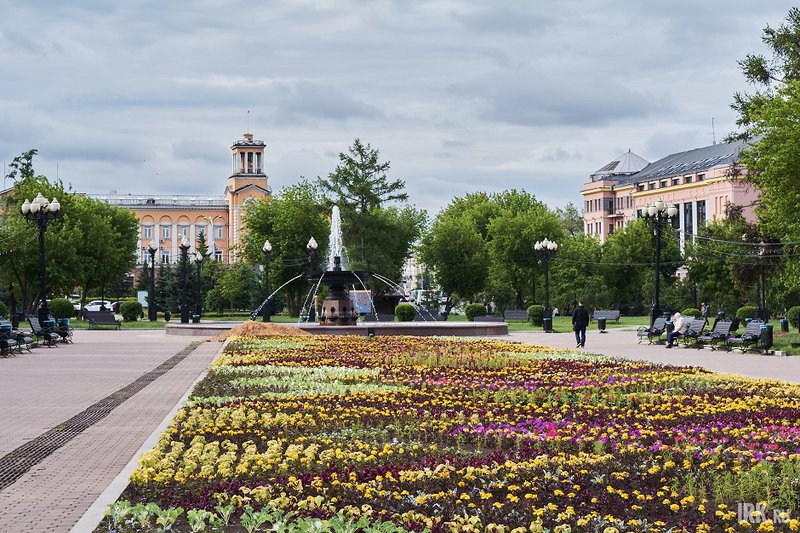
(761,309)
(184,300)
(311,248)
(267,248)
(40,212)
(152,308)
(546,250)
(658,215)
(198,259)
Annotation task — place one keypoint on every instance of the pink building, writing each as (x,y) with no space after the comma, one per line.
(700,182)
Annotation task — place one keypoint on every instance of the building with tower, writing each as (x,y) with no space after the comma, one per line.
(168,219)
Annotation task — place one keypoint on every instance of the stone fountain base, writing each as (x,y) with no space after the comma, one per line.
(420,329)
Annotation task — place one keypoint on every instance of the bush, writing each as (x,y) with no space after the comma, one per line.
(793,314)
(130,310)
(746,311)
(61,308)
(4,310)
(691,311)
(536,314)
(405,312)
(473,310)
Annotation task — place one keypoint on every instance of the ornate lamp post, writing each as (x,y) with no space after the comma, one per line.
(40,212)
(152,307)
(658,215)
(761,309)
(311,249)
(184,300)
(546,250)
(267,248)
(198,259)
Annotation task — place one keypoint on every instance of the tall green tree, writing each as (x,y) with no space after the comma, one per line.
(288,220)
(363,191)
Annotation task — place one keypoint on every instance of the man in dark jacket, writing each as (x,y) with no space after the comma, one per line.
(580,321)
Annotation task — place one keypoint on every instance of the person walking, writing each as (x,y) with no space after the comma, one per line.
(677,326)
(580,321)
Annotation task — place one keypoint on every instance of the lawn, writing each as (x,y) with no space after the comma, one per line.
(421,434)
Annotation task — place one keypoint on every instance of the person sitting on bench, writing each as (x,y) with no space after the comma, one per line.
(677,325)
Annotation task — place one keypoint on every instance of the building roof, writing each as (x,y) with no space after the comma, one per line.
(688,162)
(163,201)
(624,165)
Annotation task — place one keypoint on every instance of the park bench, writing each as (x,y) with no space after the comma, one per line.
(652,333)
(749,337)
(488,318)
(102,318)
(718,336)
(16,339)
(516,314)
(608,314)
(380,317)
(46,334)
(693,331)
(428,315)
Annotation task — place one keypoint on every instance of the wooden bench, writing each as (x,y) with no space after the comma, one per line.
(516,314)
(380,317)
(608,314)
(489,318)
(101,318)
(46,333)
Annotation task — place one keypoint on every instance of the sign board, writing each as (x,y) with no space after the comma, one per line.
(362,301)
(142,297)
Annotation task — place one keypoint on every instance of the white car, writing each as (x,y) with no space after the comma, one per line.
(95,305)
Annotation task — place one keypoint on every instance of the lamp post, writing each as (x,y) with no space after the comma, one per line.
(40,212)
(184,300)
(267,248)
(152,307)
(546,250)
(658,215)
(311,249)
(761,308)
(198,259)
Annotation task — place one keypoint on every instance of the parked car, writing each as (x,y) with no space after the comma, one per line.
(95,305)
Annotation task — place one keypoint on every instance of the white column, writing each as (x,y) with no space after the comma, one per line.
(192,238)
(175,240)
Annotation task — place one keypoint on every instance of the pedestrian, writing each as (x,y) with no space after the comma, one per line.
(555,311)
(677,325)
(704,310)
(580,321)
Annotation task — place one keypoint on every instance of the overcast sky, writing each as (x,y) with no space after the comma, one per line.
(147,96)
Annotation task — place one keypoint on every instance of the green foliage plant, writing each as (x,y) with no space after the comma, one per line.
(474,310)
(4,310)
(536,314)
(405,312)
(746,311)
(793,314)
(61,308)
(691,311)
(130,310)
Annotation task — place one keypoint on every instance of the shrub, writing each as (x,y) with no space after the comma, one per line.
(405,312)
(130,310)
(793,314)
(746,311)
(4,310)
(61,308)
(536,314)
(691,311)
(473,310)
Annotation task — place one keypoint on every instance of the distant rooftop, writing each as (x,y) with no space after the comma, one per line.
(624,165)
(163,201)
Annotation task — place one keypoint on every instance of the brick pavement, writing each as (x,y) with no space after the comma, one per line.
(46,387)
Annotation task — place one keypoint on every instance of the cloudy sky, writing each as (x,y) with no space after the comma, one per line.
(147,96)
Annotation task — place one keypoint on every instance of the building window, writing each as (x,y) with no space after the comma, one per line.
(165,256)
(688,225)
(200,230)
(664,183)
(218,232)
(165,232)
(676,181)
(687,179)
(183,232)
(147,232)
(640,187)
(701,213)
(701,177)
(651,185)
(218,255)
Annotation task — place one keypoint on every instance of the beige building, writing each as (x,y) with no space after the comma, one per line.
(700,182)
(168,219)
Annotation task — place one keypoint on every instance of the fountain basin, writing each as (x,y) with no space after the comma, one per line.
(419,329)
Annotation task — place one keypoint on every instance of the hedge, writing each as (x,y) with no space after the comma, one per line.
(793,314)
(691,311)
(536,314)
(473,310)
(130,310)
(61,308)
(746,311)
(405,312)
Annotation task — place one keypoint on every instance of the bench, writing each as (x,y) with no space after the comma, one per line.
(693,332)
(428,316)
(652,333)
(749,338)
(608,314)
(380,317)
(46,333)
(489,318)
(718,336)
(516,314)
(102,318)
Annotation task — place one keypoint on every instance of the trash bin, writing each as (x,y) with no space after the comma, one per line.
(601,323)
(669,327)
(16,318)
(766,336)
(195,319)
(547,324)
(62,321)
(784,325)
(167,315)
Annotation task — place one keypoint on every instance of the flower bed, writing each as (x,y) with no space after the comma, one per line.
(412,434)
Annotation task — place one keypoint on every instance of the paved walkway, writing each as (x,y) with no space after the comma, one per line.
(623,342)
(45,388)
